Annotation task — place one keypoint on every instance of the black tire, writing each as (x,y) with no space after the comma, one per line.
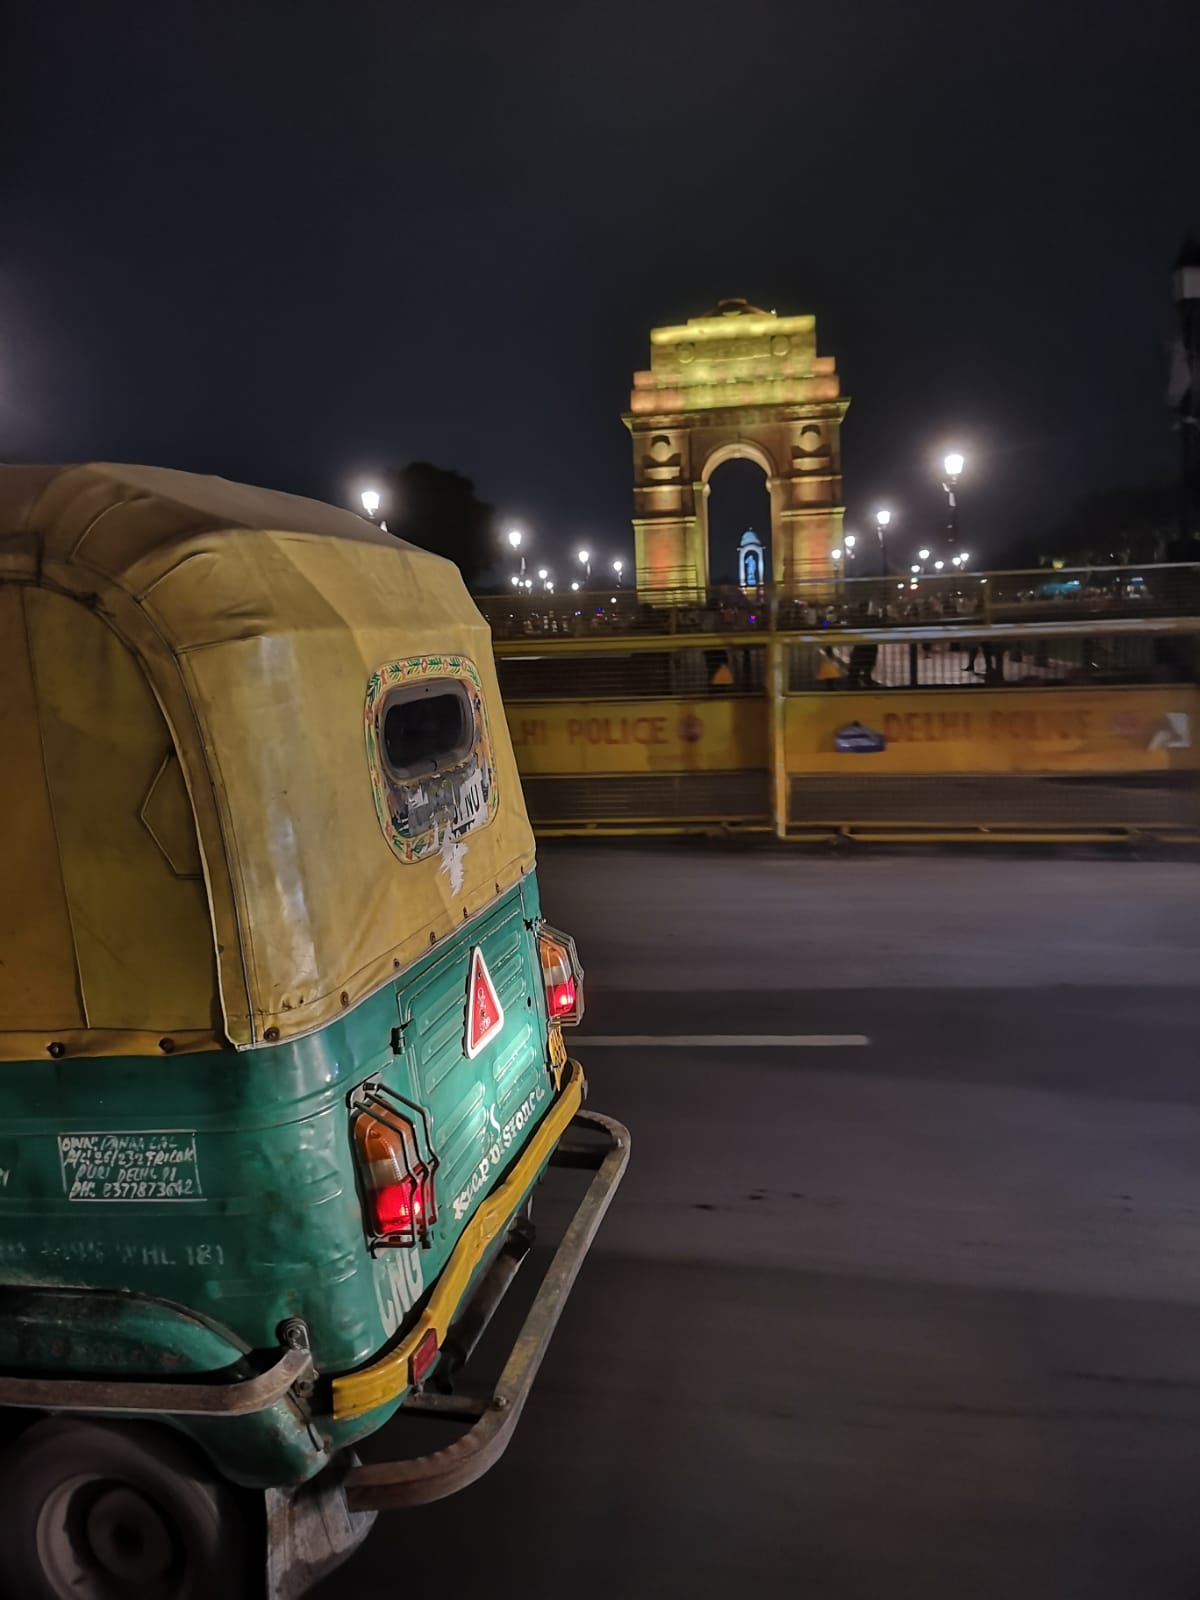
(117,1511)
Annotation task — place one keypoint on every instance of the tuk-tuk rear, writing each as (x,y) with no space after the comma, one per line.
(281,1059)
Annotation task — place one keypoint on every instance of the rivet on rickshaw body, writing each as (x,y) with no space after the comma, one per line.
(57,1048)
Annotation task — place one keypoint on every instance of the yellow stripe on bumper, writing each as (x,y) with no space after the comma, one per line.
(362,1391)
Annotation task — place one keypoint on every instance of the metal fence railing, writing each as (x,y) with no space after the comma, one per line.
(1080,722)
(955,599)
(980,658)
(632,674)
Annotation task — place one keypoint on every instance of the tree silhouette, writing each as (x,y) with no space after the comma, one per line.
(439,510)
(1120,526)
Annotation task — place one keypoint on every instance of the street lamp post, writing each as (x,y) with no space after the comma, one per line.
(514,537)
(882,517)
(953,465)
(585,560)
(618,567)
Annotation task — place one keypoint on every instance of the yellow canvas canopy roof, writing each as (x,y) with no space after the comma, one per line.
(192,853)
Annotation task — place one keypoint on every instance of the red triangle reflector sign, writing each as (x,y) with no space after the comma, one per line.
(485,1014)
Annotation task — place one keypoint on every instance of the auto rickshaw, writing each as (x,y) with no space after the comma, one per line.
(281,1050)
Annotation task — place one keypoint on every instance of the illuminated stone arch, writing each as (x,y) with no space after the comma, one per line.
(737,382)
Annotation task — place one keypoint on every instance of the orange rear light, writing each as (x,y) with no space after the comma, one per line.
(562,976)
(396,1165)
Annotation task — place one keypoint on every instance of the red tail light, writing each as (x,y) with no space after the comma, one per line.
(562,976)
(397,1165)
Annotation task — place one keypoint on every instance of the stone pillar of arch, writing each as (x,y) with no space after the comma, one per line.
(737,382)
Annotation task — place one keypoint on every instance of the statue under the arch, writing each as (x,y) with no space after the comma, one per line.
(750,561)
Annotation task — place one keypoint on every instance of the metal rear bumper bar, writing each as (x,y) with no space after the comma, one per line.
(390,1485)
(241,1398)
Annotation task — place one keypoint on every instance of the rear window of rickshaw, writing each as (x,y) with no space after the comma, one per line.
(430,753)
(426,728)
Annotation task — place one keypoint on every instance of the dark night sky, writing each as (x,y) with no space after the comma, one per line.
(296,242)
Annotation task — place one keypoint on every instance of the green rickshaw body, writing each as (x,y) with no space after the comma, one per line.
(272,902)
(276,1230)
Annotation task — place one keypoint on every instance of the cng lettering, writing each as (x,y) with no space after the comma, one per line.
(398,1286)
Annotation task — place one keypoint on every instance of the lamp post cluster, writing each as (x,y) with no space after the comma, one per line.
(844,556)
(371,500)
(545,576)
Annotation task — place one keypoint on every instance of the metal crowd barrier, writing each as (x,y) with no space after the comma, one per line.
(1081,721)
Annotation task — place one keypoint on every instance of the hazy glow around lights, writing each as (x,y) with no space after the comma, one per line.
(370,501)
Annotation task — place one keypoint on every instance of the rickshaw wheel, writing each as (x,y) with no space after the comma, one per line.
(100,1511)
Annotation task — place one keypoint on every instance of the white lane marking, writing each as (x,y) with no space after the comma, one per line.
(724,1041)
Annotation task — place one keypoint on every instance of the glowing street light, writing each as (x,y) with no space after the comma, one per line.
(922,555)
(938,565)
(836,555)
(882,517)
(515,538)
(516,582)
(370,502)
(575,587)
(953,465)
(914,568)
(618,567)
(584,556)
(965,557)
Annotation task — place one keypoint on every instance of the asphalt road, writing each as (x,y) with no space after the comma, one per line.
(914,1317)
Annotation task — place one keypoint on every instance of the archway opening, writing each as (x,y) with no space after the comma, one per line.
(738,503)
